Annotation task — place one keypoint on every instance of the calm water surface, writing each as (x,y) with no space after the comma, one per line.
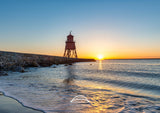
(111,86)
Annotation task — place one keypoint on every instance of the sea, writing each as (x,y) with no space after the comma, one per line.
(106,86)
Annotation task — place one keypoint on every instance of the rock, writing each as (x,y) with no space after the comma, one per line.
(22,71)
(2,73)
(53,66)
(19,69)
(35,64)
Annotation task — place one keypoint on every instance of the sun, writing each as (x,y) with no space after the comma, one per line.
(100,57)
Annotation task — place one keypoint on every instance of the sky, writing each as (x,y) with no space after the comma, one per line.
(113,28)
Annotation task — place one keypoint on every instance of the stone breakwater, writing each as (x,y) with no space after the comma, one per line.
(13,61)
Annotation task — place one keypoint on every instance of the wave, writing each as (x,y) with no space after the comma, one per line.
(124,73)
(124,83)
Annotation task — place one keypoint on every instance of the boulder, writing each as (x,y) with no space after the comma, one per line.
(35,64)
(19,69)
(2,73)
(53,66)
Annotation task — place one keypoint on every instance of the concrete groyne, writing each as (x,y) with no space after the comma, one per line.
(13,61)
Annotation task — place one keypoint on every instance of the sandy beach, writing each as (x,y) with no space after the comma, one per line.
(10,105)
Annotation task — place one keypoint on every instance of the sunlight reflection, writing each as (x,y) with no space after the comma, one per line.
(100,65)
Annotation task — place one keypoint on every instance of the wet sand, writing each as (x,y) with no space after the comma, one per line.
(10,105)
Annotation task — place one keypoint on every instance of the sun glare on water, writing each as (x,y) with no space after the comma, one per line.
(100,57)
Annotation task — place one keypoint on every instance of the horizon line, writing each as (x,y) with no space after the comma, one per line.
(132,58)
(152,58)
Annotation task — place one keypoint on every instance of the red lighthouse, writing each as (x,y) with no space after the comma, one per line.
(70,48)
